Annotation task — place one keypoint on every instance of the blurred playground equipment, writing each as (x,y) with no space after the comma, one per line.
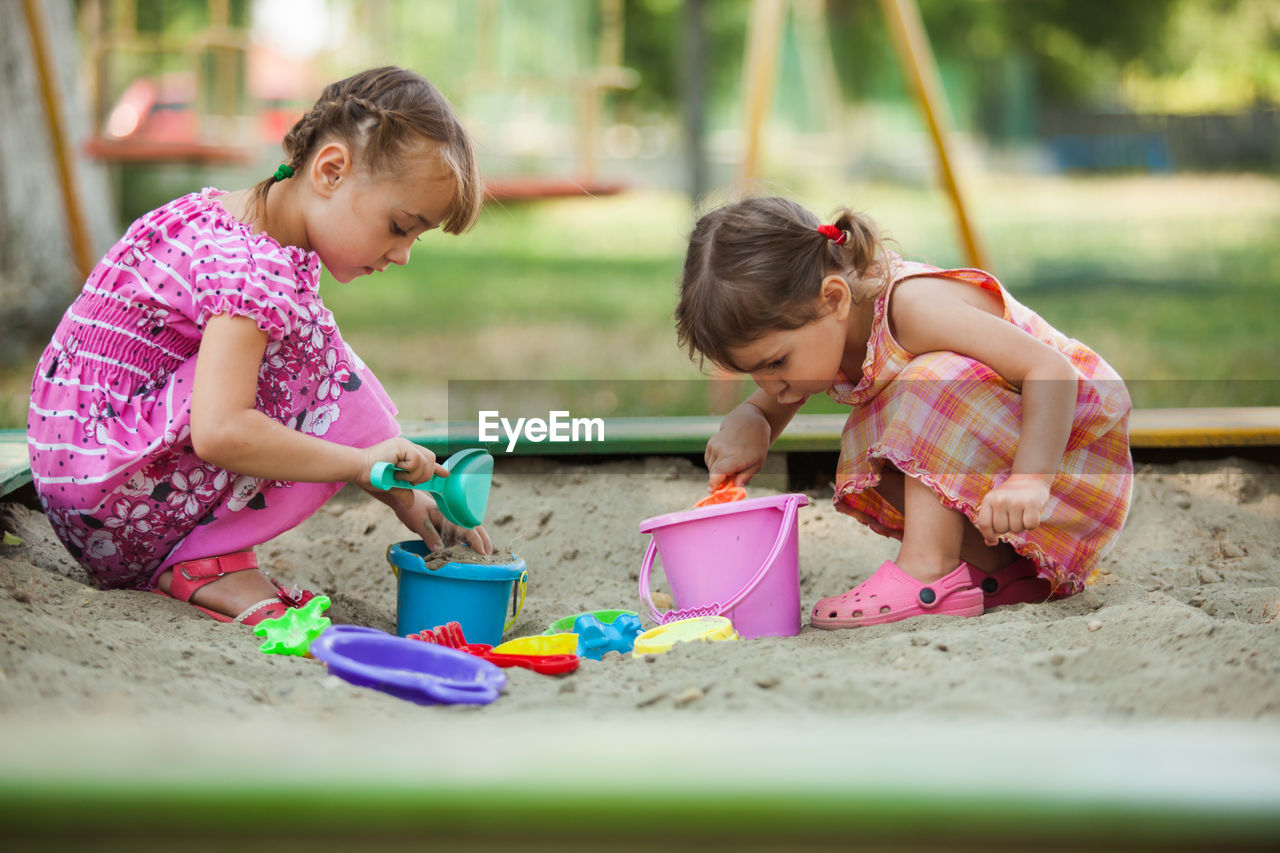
(162,96)
(765,33)
(73,209)
(1040,224)
(156,96)
(514,88)
(764,40)
(163,90)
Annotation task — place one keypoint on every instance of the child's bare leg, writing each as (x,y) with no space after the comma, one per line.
(973,548)
(931,534)
(230,594)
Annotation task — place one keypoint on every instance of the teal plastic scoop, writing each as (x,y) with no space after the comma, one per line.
(463,496)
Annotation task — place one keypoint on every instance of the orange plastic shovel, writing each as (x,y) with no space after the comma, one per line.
(728,491)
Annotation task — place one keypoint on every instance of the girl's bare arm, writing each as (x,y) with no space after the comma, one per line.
(931,314)
(228,431)
(737,452)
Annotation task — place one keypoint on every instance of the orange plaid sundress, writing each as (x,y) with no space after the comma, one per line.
(953,423)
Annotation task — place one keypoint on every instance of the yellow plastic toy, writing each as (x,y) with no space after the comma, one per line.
(548,644)
(708,629)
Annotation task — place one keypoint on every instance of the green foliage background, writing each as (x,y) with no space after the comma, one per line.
(1174,278)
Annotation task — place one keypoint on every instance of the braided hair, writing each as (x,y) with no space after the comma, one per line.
(381,113)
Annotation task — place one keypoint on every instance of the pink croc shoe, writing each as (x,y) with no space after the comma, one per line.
(1016,583)
(890,594)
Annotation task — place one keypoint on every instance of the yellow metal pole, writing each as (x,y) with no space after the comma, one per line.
(764,37)
(817,63)
(40,49)
(912,44)
(611,24)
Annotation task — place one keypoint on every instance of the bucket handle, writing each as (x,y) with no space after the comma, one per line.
(715,608)
(517,599)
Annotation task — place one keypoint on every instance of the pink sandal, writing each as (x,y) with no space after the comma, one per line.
(1017,583)
(890,594)
(190,575)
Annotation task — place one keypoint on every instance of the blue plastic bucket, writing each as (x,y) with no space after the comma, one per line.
(475,595)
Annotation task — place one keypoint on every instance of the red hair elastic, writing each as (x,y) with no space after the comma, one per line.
(833,233)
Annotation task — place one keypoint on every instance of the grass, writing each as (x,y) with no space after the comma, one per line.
(1173,279)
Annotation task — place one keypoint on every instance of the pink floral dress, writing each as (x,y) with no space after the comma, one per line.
(953,423)
(109,427)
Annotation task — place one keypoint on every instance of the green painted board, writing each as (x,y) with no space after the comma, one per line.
(15,464)
(1149,429)
(645,781)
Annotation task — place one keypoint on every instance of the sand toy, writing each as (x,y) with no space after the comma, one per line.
(707,629)
(728,492)
(738,559)
(463,496)
(474,594)
(547,655)
(294,632)
(419,672)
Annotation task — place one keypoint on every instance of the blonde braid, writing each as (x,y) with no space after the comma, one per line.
(379,113)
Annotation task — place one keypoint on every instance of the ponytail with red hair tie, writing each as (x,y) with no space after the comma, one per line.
(836,235)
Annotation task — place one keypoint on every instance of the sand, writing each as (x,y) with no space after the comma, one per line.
(1180,628)
(1180,623)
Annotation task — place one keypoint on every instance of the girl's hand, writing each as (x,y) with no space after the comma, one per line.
(417,511)
(1014,506)
(417,463)
(737,452)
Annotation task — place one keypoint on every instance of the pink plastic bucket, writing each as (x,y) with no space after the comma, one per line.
(738,559)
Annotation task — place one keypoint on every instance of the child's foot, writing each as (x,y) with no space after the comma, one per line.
(229,588)
(1016,583)
(890,594)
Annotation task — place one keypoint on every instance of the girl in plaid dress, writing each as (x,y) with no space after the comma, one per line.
(992,446)
(197,398)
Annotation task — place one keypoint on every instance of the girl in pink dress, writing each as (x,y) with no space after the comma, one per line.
(994,447)
(197,398)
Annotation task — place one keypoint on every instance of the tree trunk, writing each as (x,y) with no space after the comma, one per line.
(38,274)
